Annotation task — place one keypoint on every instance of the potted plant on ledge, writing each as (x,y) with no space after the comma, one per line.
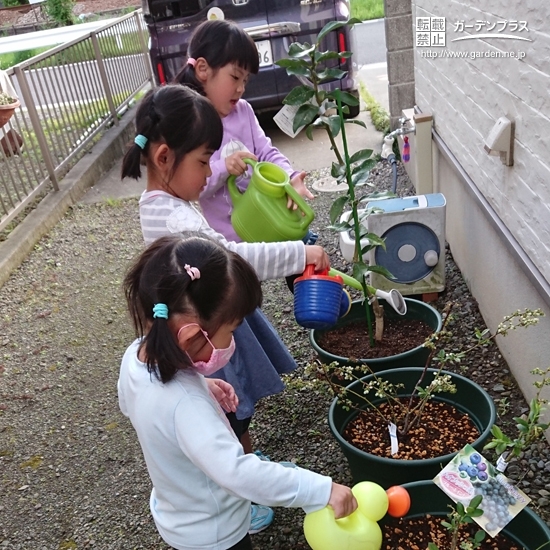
(8,104)
(313,105)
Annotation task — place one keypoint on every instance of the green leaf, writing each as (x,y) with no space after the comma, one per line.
(334,124)
(329,27)
(363,154)
(337,208)
(299,95)
(325,56)
(497,432)
(337,170)
(381,270)
(479,536)
(368,164)
(349,99)
(287,63)
(355,121)
(476,501)
(330,54)
(332,74)
(375,239)
(339,226)
(360,270)
(360,176)
(309,132)
(297,50)
(521,422)
(432,546)
(305,115)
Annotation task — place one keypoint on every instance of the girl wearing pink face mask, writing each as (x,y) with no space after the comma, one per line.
(186,297)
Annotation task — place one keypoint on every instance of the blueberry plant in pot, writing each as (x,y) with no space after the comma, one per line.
(405,424)
(314,106)
(424,525)
(530,426)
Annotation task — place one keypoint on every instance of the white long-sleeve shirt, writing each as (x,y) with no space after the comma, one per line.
(161,214)
(203,483)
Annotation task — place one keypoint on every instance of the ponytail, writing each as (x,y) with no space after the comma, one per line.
(191,276)
(177,116)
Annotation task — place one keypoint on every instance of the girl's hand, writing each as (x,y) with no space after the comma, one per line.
(316,255)
(342,501)
(298,182)
(235,164)
(224,393)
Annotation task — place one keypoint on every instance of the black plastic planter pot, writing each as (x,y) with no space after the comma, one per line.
(469,398)
(413,358)
(526,529)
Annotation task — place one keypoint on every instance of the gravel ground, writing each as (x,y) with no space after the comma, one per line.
(71,468)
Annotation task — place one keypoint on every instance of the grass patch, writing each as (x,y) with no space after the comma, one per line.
(367,9)
(8,60)
(379,116)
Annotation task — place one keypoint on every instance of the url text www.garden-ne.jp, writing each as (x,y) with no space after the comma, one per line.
(431,54)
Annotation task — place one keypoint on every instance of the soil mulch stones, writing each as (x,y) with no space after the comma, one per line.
(442,430)
(417,533)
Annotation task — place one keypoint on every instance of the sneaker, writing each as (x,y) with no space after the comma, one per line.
(266,458)
(260,518)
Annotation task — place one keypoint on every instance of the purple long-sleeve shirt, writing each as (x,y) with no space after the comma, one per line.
(241,132)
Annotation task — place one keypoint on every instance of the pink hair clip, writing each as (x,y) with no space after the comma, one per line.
(191,61)
(193,272)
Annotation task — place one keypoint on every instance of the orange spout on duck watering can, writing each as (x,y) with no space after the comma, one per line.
(319,299)
(260,213)
(359,530)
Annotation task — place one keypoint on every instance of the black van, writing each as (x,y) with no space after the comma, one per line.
(273,24)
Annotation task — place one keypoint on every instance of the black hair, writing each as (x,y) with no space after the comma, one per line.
(220,42)
(177,116)
(227,291)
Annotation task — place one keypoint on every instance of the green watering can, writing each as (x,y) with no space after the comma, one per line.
(260,213)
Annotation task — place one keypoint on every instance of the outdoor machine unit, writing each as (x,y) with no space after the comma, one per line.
(414,233)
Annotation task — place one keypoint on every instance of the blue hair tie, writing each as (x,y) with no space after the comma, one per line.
(160,311)
(141,141)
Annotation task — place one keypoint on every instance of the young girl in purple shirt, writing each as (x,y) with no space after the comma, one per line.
(221,58)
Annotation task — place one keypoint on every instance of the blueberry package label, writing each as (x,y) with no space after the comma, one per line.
(470,474)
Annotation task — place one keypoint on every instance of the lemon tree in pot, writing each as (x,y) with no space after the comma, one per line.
(313,105)
(405,424)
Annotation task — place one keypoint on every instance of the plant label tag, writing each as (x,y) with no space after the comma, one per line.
(502,464)
(393,438)
(285,118)
(470,474)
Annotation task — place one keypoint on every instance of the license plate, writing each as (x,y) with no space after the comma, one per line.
(265,55)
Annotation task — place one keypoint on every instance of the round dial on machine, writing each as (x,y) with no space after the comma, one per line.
(412,252)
